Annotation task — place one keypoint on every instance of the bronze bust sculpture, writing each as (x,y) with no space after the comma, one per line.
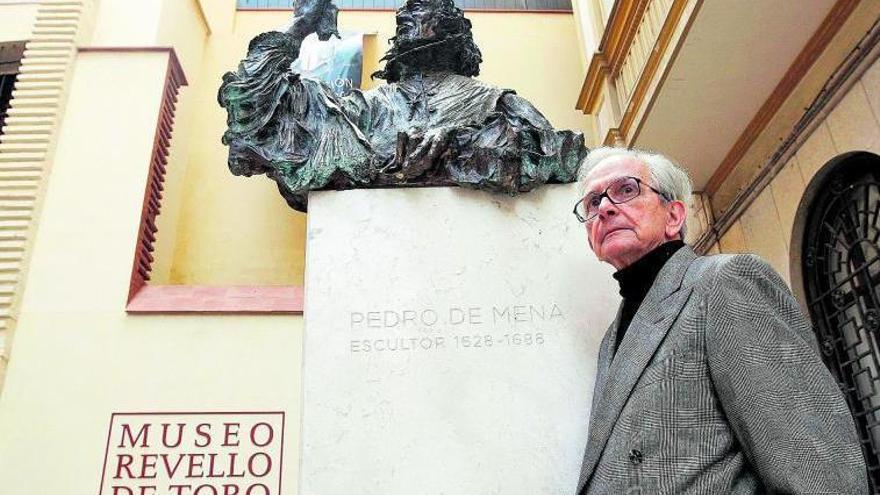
(432,124)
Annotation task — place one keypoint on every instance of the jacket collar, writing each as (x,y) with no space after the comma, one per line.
(617,376)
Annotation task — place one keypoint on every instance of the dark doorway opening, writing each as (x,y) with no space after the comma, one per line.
(841,274)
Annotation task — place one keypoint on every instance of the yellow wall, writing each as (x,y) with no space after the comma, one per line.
(220,14)
(98,178)
(78,357)
(181,24)
(126,23)
(16,21)
(235,230)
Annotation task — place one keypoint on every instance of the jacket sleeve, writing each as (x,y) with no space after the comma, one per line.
(782,403)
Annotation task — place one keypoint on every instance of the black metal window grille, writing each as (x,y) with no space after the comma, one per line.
(560,5)
(841,267)
(7,82)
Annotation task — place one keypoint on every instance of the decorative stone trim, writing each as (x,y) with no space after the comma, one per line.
(27,145)
(223,300)
(174,78)
(637,45)
(615,44)
(639,66)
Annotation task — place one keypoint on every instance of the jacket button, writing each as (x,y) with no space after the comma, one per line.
(635,456)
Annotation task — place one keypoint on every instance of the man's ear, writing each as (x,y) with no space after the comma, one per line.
(676,213)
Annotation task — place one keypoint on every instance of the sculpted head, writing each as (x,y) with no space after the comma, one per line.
(646,208)
(432,36)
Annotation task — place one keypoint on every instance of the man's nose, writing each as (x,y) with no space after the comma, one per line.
(606,207)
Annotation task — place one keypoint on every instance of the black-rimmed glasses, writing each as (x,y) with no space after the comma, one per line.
(620,191)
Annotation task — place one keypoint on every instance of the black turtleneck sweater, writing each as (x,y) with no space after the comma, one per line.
(636,279)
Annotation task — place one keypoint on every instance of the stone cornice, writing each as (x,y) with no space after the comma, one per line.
(615,44)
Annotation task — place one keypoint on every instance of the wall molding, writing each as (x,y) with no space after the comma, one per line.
(830,26)
(178,299)
(844,77)
(175,70)
(620,134)
(617,39)
(28,143)
(588,99)
(203,17)
(143,260)
(620,31)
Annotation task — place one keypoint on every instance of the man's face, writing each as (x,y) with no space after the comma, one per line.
(621,234)
(416,24)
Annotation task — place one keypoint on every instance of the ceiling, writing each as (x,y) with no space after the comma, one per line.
(734,55)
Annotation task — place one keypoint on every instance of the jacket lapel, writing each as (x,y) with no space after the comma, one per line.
(647,330)
(609,342)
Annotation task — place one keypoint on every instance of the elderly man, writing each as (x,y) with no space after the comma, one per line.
(709,380)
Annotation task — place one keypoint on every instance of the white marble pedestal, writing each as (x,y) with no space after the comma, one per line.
(450,342)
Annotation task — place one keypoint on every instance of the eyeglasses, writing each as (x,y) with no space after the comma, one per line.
(620,191)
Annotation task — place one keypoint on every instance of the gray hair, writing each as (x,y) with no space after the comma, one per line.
(670,179)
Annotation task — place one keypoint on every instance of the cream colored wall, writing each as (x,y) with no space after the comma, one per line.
(231,230)
(17,20)
(30,132)
(589,25)
(765,228)
(93,201)
(55,411)
(78,357)
(236,230)
(540,63)
(126,23)
(219,13)
(183,25)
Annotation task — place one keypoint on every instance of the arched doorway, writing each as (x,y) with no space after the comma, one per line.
(840,270)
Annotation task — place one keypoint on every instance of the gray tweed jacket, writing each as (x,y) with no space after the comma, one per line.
(716,388)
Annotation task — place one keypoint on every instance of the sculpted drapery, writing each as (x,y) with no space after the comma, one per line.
(432,124)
